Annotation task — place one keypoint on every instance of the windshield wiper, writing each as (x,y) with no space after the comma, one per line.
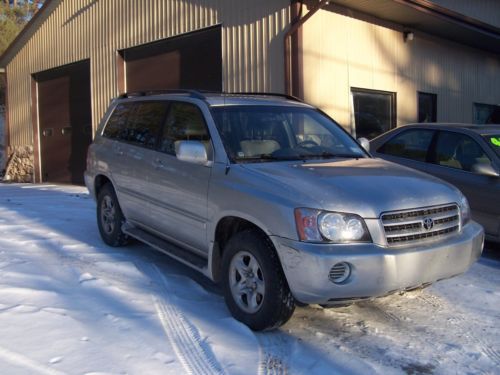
(331,155)
(268,157)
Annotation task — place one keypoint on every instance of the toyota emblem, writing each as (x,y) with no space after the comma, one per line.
(428,223)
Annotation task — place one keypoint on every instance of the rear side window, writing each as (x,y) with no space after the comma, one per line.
(459,151)
(145,123)
(118,121)
(185,122)
(411,144)
(137,123)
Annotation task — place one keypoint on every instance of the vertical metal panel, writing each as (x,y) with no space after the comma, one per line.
(252,40)
(342,52)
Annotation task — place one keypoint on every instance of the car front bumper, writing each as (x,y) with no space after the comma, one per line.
(374,270)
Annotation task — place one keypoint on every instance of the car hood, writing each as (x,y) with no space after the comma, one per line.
(364,186)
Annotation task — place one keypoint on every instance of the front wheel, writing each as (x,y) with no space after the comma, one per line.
(255,288)
(110,217)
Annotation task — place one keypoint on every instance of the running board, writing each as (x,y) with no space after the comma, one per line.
(184,256)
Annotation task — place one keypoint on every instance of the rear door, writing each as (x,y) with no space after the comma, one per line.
(133,130)
(179,189)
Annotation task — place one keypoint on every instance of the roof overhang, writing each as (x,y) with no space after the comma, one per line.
(427,17)
(27,32)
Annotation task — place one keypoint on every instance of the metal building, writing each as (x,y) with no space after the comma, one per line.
(371,65)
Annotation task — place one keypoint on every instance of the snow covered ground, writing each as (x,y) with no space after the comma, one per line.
(71,305)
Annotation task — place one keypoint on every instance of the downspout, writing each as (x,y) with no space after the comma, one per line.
(297,23)
(6,139)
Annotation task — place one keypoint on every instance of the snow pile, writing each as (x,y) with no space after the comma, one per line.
(71,305)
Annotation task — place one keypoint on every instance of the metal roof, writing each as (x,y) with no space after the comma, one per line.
(420,15)
(428,17)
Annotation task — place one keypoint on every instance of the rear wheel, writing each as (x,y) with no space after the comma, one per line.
(255,288)
(110,217)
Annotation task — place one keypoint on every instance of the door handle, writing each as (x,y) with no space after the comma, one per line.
(158,163)
(117,150)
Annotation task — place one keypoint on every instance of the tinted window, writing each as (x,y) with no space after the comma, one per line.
(459,151)
(136,123)
(374,112)
(184,123)
(427,107)
(145,123)
(486,113)
(118,121)
(410,144)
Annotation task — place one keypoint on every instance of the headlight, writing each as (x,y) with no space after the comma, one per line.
(321,226)
(464,211)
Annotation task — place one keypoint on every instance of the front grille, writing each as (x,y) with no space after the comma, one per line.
(402,227)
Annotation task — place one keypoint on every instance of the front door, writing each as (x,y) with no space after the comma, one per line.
(179,189)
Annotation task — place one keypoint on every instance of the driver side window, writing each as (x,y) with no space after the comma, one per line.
(459,151)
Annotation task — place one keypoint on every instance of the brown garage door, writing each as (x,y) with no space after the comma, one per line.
(190,61)
(64,114)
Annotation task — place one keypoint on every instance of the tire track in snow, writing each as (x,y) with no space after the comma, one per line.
(273,351)
(20,360)
(458,321)
(195,355)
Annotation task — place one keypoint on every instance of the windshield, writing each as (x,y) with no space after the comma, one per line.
(263,133)
(494,141)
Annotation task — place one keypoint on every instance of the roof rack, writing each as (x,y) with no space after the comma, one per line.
(193,93)
(286,96)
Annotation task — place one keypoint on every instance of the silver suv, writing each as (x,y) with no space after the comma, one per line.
(272,199)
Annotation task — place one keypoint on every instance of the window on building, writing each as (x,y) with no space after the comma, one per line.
(411,144)
(374,112)
(427,107)
(486,113)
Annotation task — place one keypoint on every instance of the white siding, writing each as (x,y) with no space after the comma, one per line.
(342,52)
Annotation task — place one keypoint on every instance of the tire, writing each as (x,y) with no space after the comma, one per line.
(110,217)
(254,286)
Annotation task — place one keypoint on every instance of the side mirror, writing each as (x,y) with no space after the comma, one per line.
(365,143)
(486,169)
(192,152)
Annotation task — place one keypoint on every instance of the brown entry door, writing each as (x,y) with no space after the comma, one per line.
(65,122)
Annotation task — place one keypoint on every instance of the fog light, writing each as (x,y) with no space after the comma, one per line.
(340,272)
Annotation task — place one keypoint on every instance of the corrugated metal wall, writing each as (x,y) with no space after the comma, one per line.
(342,52)
(252,33)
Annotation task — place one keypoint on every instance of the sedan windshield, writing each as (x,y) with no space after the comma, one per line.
(269,133)
(494,141)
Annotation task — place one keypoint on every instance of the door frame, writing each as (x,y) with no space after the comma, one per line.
(35,119)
